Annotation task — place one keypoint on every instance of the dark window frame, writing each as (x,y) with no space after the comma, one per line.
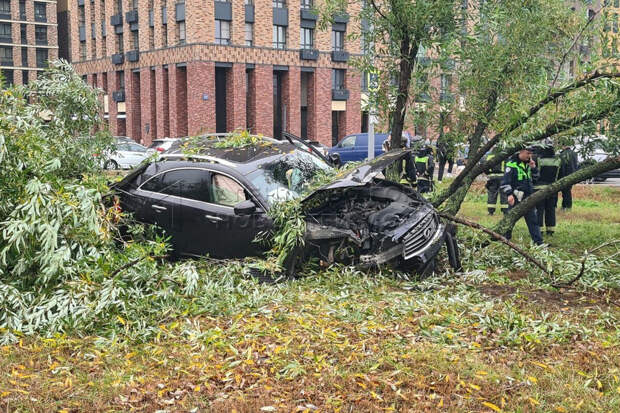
(339,79)
(40,35)
(38,16)
(219,39)
(306,32)
(337,40)
(279,4)
(279,37)
(42,63)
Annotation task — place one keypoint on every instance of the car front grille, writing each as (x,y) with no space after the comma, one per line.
(420,235)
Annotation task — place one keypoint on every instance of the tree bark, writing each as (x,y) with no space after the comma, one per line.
(509,220)
(408,53)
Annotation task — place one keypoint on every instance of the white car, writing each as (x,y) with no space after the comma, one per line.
(161,145)
(125,156)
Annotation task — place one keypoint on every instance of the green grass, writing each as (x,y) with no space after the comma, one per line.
(495,337)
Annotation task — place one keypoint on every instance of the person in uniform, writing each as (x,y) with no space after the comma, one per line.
(549,167)
(424,166)
(517,185)
(494,181)
(569,164)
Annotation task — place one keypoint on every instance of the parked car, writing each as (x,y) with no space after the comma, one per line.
(214,201)
(355,147)
(161,145)
(125,155)
(593,150)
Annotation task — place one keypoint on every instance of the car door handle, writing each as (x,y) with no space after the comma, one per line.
(159,207)
(213,218)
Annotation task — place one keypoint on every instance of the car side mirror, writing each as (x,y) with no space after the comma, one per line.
(246,207)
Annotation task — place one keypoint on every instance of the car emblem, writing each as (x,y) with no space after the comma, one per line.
(428,232)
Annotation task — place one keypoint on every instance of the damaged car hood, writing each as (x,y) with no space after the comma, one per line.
(361,175)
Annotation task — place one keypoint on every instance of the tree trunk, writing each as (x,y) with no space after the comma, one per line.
(408,53)
(509,220)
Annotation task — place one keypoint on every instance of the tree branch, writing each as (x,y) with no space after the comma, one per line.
(583,29)
(583,264)
(473,161)
(495,236)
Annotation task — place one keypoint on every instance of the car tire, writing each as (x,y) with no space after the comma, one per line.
(110,164)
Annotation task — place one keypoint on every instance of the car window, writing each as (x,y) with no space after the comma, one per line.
(136,148)
(155,144)
(185,183)
(122,147)
(348,142)
(226,191)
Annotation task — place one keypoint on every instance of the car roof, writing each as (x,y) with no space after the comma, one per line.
(245,158)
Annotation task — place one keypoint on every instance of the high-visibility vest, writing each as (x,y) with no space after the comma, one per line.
(421,163)
(549,171)
(498,170)
(524,171)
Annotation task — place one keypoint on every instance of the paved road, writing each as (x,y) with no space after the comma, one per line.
(610,182)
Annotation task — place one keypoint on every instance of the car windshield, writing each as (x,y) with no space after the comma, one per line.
(287,177)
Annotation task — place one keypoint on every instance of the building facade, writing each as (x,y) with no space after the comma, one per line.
(181,68)
(28,38)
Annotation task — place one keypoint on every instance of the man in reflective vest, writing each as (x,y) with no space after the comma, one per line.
(517,185)
(494,181)
(424,166)
(548,172)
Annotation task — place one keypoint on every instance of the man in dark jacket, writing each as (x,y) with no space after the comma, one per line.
(568,165)
(517,185)
(548,172)
(494,181)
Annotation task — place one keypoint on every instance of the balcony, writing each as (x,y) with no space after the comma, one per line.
(340,56)
(131,16)
(118,96)
(341,18)
(340,94)
(116,20)
(5,16)
(249,13)
(118,59)
(223,10)
(133,55)
(309,54)
(307,14)
(6,62)
(280,16)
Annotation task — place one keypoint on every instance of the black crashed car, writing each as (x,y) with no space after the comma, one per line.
(214,201)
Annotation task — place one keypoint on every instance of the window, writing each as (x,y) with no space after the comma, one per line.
(6,55)
(24,77)
(279,4)
(337,40)
(249,34)
(279,37)
(7,74)
(81,15)
(5,33)
(120,48)
(23,30)
(347,142)
(24,56)
(135,40)
(222,32)
(118,6)
(187,183)
(40,34)
(83,50)
(5,9)
(121,79)
(307,38)
(181,32)
(249,2)
(42,58)
(40,12)
(226,191)
(338,79)
(306,4)
(22,9)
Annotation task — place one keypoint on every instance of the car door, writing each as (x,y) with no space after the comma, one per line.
(137,153)
(160,205)
(360,150)
(215,228)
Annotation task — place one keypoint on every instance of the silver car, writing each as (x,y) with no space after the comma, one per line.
(125,156)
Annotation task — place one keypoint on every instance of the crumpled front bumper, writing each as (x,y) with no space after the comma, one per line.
(419,258)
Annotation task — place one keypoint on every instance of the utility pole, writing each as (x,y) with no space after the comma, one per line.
(373,86)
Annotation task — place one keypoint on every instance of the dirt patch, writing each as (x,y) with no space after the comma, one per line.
(555,298)
(595,193)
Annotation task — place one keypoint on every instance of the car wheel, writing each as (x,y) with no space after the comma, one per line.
(110,164)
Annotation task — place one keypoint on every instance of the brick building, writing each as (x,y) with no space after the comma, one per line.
(28,38)
(178,68)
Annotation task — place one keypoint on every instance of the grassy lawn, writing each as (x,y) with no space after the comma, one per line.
(496,337)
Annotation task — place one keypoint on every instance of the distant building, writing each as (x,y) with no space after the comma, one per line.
(184,68)
(28,38)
